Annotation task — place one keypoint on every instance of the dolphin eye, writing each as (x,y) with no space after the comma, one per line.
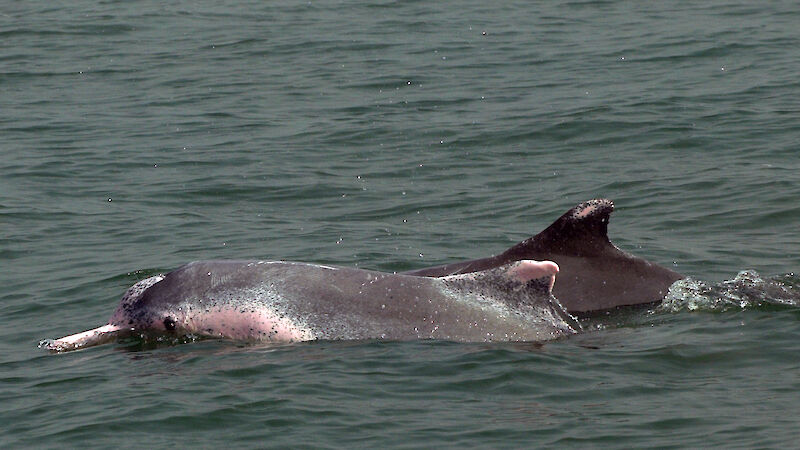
(169,324)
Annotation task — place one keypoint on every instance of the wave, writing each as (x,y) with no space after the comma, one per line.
(748,290)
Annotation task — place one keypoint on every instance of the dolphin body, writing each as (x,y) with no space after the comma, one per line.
(594,274)
(288,302)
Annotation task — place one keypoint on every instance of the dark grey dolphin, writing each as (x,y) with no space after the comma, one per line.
(594,274)
(285,301)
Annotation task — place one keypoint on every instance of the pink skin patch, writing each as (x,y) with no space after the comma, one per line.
(591,207)
(529,269)
(256,324)
(586,212)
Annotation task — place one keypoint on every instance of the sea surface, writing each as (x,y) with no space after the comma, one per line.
(138,136)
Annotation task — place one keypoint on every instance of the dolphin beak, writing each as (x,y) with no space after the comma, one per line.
(88,338)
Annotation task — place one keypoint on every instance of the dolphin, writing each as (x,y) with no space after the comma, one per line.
(594,274)
(277,301)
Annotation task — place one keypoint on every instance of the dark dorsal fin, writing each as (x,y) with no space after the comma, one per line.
(581,231)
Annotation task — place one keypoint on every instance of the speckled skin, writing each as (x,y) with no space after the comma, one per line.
(285,302)
(595,275)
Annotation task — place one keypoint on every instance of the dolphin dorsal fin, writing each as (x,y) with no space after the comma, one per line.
(534,277)
(527,270)
(581,231)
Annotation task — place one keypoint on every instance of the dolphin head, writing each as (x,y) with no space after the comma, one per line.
(122,322)
(198,299)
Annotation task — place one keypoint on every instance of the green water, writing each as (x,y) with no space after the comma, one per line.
(137,136)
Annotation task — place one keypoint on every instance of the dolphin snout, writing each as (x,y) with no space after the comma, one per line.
(88,338)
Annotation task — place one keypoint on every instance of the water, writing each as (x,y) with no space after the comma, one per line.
(138,136)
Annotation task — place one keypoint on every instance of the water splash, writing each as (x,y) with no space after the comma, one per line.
(747,290)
